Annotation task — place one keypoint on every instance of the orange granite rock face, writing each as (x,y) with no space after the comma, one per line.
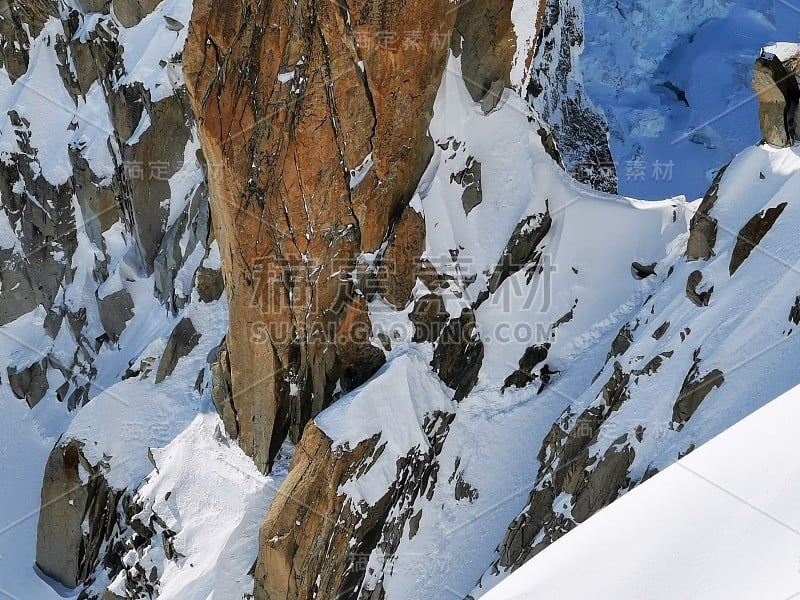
(313,119)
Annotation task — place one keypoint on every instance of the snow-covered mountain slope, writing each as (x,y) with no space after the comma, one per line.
(562,344)
(724,522)
(614,337)
(713,343)
(592,341)
(673,80)
(554,295)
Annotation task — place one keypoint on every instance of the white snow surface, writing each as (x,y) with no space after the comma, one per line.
(722,523)
(783,50)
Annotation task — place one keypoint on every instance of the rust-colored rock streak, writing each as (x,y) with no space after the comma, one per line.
(292,98)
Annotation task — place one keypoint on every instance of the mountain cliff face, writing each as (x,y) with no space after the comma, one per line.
(313,300)
(309,240)
(316,143)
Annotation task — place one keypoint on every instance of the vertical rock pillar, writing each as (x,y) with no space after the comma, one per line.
(313,117)
(778,97)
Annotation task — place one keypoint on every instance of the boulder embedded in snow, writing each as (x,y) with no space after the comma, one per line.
(703,228)
(603,483)
(470,179)
(64,499)
(29,384)
(752,234)
(210,284)
(694,391)
(131,12)
(183,340)
(641,271)
(522,249)
(92,6)
(173,24)
(794,312)
(700,298)
(115,311)
(492,97)
(621,343)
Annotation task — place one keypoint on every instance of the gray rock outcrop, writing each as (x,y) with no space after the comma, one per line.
(78,513)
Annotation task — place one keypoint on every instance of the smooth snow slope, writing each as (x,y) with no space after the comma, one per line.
(723,522)
(707,49)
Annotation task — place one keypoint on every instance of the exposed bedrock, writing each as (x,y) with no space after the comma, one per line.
(315,133)
(78,515)
(314,127)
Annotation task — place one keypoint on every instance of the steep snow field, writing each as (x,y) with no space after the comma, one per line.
(671,141)
(722,523)
(500,443)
